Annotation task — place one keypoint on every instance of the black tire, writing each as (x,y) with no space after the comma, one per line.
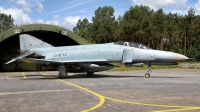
(147,75)
(90,73)
(61,76)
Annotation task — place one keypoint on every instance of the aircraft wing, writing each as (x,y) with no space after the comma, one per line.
(33,60)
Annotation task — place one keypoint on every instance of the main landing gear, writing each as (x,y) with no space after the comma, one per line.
(62,71)
(147,75)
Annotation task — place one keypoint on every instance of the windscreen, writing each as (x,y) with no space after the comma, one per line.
(133,44)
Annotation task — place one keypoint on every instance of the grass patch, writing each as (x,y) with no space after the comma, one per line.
(188,64)
(121,67)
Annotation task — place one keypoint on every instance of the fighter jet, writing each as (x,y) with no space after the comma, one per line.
(92,58)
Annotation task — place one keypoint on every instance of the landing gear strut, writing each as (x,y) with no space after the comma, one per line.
(147,75)
(62,71)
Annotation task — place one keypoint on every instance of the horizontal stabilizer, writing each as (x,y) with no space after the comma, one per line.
(10,61)
(19,57)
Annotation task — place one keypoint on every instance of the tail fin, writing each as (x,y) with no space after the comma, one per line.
(29,42)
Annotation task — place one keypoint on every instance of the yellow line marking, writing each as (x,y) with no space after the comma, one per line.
(102,100)
(144,104)
(24,75)
(10,76)
(181,109)
(28,92)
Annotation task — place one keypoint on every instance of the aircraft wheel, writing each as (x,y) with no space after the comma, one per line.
(61,76)
(90,73)
(147,75)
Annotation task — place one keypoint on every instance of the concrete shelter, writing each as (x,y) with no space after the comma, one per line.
(54,35)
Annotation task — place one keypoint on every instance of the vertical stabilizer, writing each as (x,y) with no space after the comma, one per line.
(29,42)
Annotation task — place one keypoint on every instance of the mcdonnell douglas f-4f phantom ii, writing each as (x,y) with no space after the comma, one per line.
(92,58)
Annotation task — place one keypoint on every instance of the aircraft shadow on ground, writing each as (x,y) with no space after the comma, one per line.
(76,76)
(79,76)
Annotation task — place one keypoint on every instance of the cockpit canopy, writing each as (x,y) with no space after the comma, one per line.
(133,44)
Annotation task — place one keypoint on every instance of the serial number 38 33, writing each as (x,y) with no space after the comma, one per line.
(60,54)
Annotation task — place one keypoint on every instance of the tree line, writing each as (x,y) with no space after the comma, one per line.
(6,22)
(153,28)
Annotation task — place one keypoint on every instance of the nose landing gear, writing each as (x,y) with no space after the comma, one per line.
(147,75)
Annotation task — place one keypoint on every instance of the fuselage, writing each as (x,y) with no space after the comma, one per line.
(109,52)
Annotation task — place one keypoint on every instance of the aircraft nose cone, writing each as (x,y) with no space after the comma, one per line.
(179,57)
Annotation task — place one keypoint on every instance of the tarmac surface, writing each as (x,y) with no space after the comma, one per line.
(168,90)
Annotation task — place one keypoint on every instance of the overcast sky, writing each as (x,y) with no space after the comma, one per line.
(66,13)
